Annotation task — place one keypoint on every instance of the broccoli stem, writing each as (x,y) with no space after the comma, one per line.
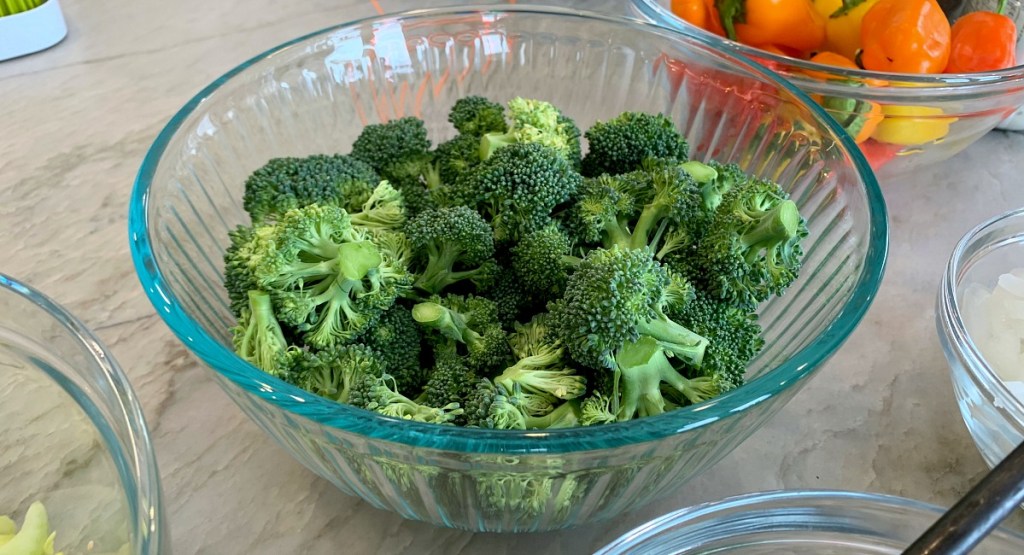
(617,234)
(644,366)
(435,316)
(567,415)
(675,338)
(778,225)
(651,216)
(701,173)
(356,259)
(263,338)
(438,273)
(493,141)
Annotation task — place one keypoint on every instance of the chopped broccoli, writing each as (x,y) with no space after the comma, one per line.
(453,158)
(518,188)
(642,367)
(329,279)
(541,368)
(239,277)
(382,144)
(451,381)
(455,241)
(542,260)
(476,115)
(539,122)
(383,210)
(493,405)
(415,178)
(469,321)
(621,144)
(258,337)
(286,183)
(332,373)
(380,395)
(397,339)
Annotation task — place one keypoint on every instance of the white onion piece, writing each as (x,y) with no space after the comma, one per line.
(995,322)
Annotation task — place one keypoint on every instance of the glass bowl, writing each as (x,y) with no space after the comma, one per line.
(927,118)
(72,434)
(994,416)
(796,523)
(314,94)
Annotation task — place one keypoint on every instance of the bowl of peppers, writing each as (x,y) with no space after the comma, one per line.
(913,81)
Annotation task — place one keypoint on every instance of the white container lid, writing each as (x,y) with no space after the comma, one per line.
(27,32)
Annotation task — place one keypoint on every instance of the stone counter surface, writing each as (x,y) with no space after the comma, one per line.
(75,122)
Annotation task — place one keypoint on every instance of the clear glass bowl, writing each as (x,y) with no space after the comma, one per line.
(930,117)
(994,416)
(796,523)
(72,434)
(315,93)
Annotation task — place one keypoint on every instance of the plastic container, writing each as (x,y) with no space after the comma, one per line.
(31,31)
(315,93)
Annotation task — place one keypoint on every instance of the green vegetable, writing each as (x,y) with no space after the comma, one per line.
(487,283)
(34,538)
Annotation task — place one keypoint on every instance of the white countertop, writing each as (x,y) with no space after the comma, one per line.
(75,122)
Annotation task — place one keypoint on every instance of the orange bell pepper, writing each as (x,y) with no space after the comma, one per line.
(982,41)
(699,13)
(785,23)
(905,36)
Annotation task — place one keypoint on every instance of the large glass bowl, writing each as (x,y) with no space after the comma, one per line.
(796,523)
(994,416)
(315,93)
(72,435)
(929,117)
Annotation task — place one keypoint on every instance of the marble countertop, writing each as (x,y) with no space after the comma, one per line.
(75,123)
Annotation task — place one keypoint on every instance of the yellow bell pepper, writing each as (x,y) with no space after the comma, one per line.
(842,34)
(912,125)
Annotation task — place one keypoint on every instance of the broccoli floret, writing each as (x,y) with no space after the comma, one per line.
(332,373)
(621,144)
(383,210)
(286,183)
(397,339)
(471,322)
(495,406)
(415,178)
(618,296)
(734,338)
(539,122)
(380,395)
(541,260)
(604,207)
(456,242)
(453,158)
(239,276)
(382,144)
(518,188)
(597,409)
(258,337)
(541,368)
(329,279)
(511,298)
(643,367)
(476,115)
(751,249)
(451,381)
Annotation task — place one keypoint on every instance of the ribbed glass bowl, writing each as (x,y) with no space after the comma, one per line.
(796,523)
(314,94)
(934,116)
(72,435)
(993,415)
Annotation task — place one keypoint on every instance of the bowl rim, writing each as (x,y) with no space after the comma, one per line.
(352,420)
(148,518)
(750,501)
(954,326)
(910,83)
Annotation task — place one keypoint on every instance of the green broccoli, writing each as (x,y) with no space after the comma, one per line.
(286,183)
(539,122)
(751,249)
(621,144)
(327,278)
(453,158)
(382,144)
(643,366)
(258,337)
(239,278)
(518,188)
(331,373)
(455,241)
(542,261)
(451,381)
(397,339)
(383,210)
(380,395)
(541,369)
(416,178)
(471,322)
(476,115)
(495,406)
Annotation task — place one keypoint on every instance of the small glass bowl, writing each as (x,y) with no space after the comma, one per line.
(72,434)
(796,523)
(994,416)
(927,118)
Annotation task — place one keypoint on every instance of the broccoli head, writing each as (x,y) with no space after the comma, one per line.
(621,144)
(472,324)
(383,210)
(332,373)
(518,188)
(239,259)
(541,260)
(476,115)
(382,144)
(450,381)
(539,122)
(642,367)
(416,178)
(453,158)
(541,369)
(286,183)
(397,339)
(329,279)
(381,396)
(456,243)
(494,406)
(618,296)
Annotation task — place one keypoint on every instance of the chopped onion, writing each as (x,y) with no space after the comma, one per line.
(995,322)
